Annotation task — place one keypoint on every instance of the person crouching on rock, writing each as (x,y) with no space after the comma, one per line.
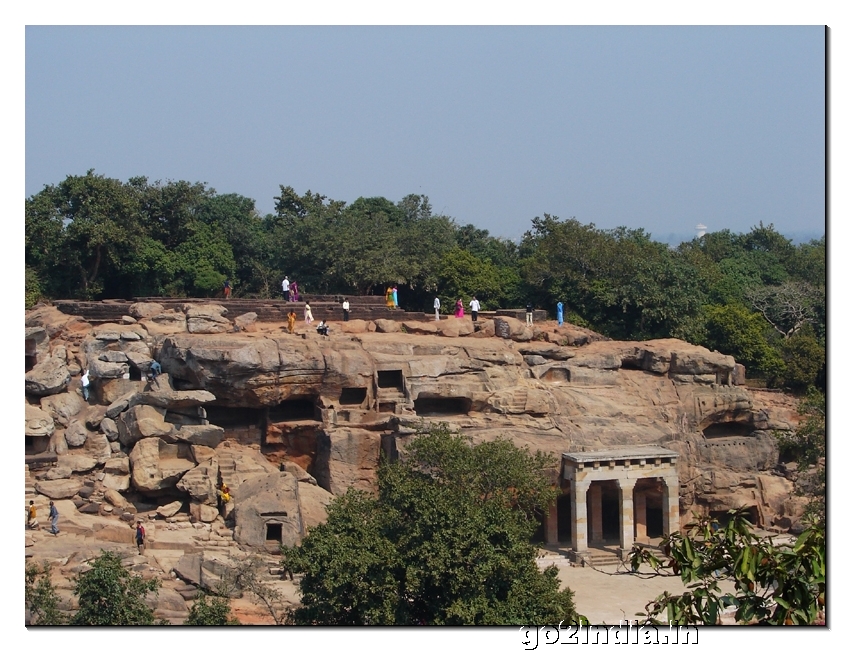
(322,328)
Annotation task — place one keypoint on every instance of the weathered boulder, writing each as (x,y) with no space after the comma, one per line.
(142,421)
(419,327)
(246,322)
(157,465)
(146,309)
(208,435)
(107,370)
(37,422)
(384,325)
(59,489)
(58,444)
(62,407)
(77,463)
(164,323)
(93,416)
(510,328)
(163,396)
(113,356)
(169,509)
(356,326)
(202,512)
(454,327)
(97,446)
(76,433)
(200,482)
(48,377)
(109,428)
(116,474)
(263,502)
(206,319)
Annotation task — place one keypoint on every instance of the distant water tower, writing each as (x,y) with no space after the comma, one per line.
(701,230)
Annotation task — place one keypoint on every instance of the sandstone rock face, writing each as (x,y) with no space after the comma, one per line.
(37,422)
(48,377)
(348,458)
(328,407)
(170,509)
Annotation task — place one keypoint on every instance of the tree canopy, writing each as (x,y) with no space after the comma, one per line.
(446,541)
(754,295)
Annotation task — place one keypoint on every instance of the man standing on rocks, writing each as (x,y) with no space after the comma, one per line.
(285,286)
(474,306)
(346,308)
(54,519)
(529,314)
(436,309)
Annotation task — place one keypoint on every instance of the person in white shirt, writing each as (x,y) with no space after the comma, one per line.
(437,308)
(285,286)
(345,309)
(84,382)
(474,306)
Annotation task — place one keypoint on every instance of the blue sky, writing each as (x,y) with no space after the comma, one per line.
(652,127)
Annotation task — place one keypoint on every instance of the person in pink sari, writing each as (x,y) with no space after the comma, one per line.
(459,308)
(293,291)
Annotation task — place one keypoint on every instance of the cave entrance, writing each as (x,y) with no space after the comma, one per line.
(274,532)
(230,417)
(291,410)
(352,396)
(437,406)
(31,354)
(727,430)
(391,379)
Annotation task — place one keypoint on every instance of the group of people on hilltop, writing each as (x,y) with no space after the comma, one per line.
(290,290)
(474,308)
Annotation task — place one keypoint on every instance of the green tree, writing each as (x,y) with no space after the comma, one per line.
(110,595)
(213,609)
(40,597)
(445,541)
(807,446)
(772,584)
(733,329)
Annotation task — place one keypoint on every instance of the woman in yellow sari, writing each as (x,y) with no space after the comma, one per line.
(390,301)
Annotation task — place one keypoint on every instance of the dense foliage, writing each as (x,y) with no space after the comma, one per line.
(212,609)
(110,595)
(771,584)
(40,598)
(755,295)
(445,542)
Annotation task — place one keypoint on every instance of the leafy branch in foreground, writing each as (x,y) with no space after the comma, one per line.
(772,584)
(40,597)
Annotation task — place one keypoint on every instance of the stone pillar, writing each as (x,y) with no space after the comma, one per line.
(595,492)
(550,525)
(640,516)
(670,504)
(627,522)
(578,503)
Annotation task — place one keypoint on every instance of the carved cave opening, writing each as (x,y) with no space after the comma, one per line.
(352,396)
(290,410)
(631,363)
(274,532)
(556,375)
(391,379)
(727,430)
(229,417)
(31,355)
(437,406)
(36,445)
